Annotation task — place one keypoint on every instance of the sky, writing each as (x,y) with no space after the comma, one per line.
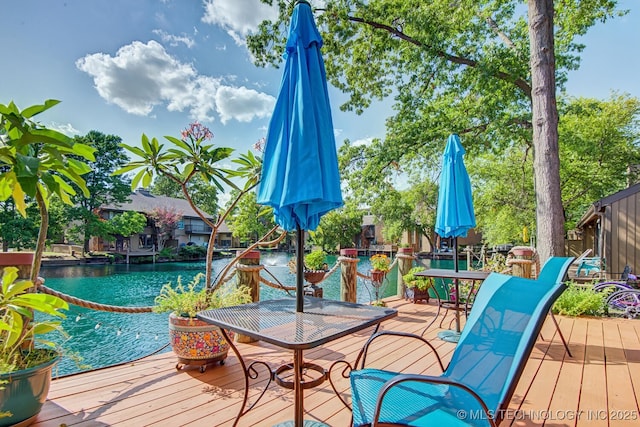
(128,67)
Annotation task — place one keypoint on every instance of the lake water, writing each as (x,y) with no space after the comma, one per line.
(106,338)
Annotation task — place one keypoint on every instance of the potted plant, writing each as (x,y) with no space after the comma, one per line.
(380,267)
(25,369)
(417,286)
(36,163)
(315,266)
(195,342)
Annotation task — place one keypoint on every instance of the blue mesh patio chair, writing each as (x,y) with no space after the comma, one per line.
(556,269)
(476,387)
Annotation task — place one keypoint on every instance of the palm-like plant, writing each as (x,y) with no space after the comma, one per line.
(189,157)
(37,162)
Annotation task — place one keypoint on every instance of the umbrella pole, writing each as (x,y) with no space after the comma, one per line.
(455,282)
(299,269)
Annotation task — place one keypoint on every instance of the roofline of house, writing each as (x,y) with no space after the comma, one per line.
(596,208)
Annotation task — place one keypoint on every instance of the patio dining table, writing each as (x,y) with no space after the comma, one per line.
(442,273)
(278,323)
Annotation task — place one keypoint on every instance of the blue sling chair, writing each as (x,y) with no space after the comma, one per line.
(476,387)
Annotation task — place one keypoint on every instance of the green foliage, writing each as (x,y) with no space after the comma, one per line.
(598,148)
(579,300)
(104,188)
(504,199)
(18,329)
(127,223)
(314,260)
(462,67)
(39,159)
(189,300)
(419,282)
(38,162)
(496,263)
(380,262)
(190,158)
(204,195)
(192,252)
(17,231)
(338,228)
(249,221)
(169,253)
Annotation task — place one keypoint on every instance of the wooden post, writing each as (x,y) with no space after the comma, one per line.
(248,270)
(405,263)
(348,274)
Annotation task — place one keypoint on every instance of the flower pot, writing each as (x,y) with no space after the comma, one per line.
(377,276)
(314,276)
(22,260)
(197,343)
(24,393)
(414,294)
(250,258)
(405,251)
(522,253)
(349,252)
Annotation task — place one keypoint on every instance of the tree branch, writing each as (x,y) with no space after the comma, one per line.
(492,24)
(519,82)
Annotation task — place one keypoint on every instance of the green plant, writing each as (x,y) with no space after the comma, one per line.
(189,300)
(579,300)
(38,162)
(19,332)
(315,260)
(419,282)
(167,253)
(380,262)
(192,252)
(190,157)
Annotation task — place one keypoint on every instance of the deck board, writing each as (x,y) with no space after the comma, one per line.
(603,374)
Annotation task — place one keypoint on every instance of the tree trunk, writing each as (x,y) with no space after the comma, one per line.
(549,213)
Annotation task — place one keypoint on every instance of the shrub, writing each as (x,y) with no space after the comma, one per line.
(418,282)
(315,260)
(579,300)
(192,252)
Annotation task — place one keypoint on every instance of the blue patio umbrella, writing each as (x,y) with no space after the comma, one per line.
(300,177)
(455,214)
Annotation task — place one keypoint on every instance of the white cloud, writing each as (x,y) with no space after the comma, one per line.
(238,18)
(243,104)
(142,76)
(66,128)
(173,40)
(363,141)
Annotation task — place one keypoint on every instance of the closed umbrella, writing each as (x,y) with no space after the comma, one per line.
(300,177)
(455,214)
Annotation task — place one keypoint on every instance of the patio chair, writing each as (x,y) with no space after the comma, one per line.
(476,387)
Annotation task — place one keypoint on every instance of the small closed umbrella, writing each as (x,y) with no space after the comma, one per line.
(455,214)
(300,177)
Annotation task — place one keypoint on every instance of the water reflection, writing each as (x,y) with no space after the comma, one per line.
(105,338)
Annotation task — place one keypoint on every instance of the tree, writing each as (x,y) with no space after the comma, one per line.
(37,162)
(249,220)
(599,154)
(165,221)
(127,224)
(104,188)
(503,194)
(17,231)
(205,195)
(599,150)
(338,228)
(187,158)
(472,67)
(164,186)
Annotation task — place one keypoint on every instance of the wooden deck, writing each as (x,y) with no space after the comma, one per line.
(599,386)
